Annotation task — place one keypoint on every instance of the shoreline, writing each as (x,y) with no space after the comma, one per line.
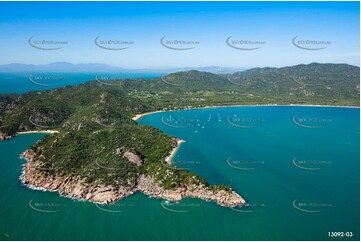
(39,132)
(141,115)
(169,158)
(7,137)
(76,189)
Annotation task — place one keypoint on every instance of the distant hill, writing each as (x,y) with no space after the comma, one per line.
(96,67)
(212,69)
(315,83)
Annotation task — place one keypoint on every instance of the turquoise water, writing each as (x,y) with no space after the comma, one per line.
(24,82)
(297,167)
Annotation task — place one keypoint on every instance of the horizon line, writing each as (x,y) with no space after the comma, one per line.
(174,67)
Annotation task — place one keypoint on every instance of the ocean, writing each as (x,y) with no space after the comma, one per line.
(38,81)
(297,168)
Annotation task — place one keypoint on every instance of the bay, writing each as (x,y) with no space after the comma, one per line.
(297,168)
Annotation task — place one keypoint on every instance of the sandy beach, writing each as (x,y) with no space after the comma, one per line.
(138,116)
(169,158)
(40,132)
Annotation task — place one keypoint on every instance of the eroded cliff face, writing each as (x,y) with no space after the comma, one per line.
(77,188)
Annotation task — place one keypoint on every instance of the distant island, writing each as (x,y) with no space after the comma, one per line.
(98,152)
(66,67)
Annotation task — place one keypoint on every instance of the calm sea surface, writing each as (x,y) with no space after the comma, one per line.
(24,82)
(297,167)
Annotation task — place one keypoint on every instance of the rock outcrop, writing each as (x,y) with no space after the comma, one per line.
(132,157)
(5,136)
(224,198)
(73,187)
(77,188)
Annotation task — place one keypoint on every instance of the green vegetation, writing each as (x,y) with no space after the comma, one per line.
(96,129)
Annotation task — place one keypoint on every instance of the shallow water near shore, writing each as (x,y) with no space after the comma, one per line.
(297,167)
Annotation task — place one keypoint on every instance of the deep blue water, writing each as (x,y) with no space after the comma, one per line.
(24,82)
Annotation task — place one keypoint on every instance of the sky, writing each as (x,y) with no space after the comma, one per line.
(283,33)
